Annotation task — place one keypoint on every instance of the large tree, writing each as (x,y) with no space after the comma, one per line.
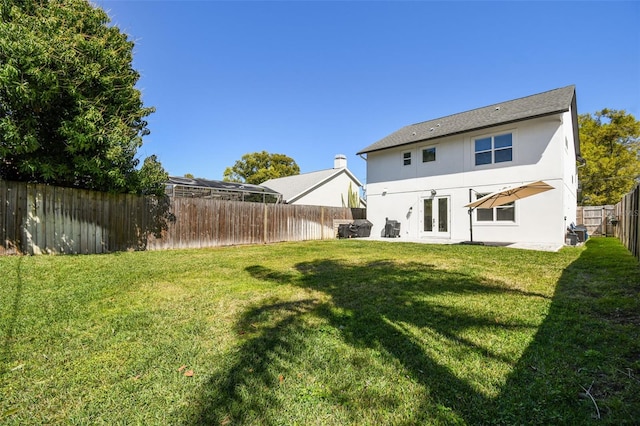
(610,143)
(70,114)
(258,167)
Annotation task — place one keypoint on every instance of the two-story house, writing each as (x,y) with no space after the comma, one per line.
(424,174)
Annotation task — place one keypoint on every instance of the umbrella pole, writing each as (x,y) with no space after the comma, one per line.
(471,223)
(470,217)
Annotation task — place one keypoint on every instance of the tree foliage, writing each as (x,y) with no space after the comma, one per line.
(70,114)
(258,167)
(151,177)
(610,144)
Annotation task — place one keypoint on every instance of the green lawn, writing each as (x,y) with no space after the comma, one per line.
(330,332)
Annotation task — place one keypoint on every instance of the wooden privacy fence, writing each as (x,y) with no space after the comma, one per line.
(627,227)
(199,222)
(595,219)
(37,219)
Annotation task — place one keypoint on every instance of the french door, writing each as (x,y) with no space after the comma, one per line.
(436,217)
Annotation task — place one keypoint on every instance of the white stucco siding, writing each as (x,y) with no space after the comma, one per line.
(388,165)
(535,142)
(536,218)
(330,193)
(539,153)
(570,171)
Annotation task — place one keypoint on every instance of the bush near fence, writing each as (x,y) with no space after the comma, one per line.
(39,219)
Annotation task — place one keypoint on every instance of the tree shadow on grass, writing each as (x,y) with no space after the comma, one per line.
(241,392)
(373,306)
(589,341)
(397,307)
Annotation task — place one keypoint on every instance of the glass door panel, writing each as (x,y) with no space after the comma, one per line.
(428,215)
(436,217)
(443,214)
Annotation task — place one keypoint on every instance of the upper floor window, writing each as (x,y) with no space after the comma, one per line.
(494,149)
(428,154)
(406,158)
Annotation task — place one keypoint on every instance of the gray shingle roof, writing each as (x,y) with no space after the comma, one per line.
(542,104)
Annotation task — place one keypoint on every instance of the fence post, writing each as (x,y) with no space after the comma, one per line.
(265,224)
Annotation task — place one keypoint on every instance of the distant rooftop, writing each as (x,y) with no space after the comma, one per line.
(204,188)
(294,187)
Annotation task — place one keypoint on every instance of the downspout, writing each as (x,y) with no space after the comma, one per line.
(364,188)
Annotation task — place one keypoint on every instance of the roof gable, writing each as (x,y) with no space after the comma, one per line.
(294,187)
(542,104)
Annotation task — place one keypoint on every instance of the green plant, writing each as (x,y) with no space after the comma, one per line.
(353,198)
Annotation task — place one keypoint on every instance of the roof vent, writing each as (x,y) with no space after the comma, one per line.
(497,108)
(431,129)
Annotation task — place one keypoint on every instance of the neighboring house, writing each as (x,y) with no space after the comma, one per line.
(424,174)
(322,188)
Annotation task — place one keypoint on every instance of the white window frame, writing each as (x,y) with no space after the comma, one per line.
(494,213)
(407,156)
(493,148)
(427,148)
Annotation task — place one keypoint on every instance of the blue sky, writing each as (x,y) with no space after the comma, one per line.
(315,79)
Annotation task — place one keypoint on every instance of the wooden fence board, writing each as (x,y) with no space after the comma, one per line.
(60,219)
(595,219)
(15,233)
(21,212)
(73,228)
(9,237)
(49,219)
(3,217)
(40,240)
(628,227)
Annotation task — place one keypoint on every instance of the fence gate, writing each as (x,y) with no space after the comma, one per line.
(595,219)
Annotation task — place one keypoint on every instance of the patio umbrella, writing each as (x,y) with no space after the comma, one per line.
(506,196)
